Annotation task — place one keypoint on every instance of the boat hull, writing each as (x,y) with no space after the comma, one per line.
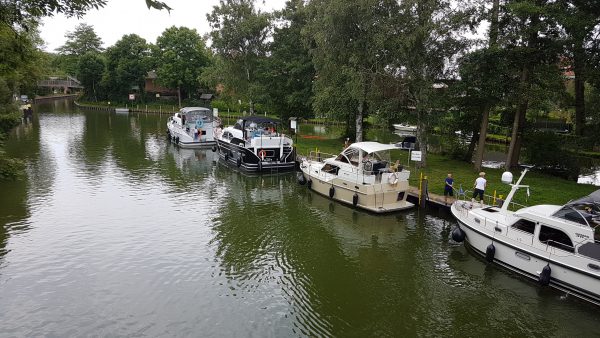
(183,139)
(379,198)
(248,161)
(527,260)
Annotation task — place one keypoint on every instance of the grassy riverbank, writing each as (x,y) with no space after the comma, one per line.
(544,189)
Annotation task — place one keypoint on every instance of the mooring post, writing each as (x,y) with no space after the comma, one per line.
(423,200)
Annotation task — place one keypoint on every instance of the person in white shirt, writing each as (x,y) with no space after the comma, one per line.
(479,186)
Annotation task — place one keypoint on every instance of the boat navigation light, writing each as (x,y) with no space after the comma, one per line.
(507,177)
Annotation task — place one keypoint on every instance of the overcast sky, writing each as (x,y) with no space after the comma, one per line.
(121,17)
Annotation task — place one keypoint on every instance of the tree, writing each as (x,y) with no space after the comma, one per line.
(23,14)
(289,70)
(489,101)
(127,65)
(350,43)
(81,41)
(579,19)
(239,32)
(91,67)
(426,37)
(20,67)
(532,36)
(181,56)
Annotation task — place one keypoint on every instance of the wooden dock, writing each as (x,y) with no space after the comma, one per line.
(433,199)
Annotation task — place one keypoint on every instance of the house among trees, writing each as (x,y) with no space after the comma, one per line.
(152,87)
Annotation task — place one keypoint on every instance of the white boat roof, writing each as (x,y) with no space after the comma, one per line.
(544,210)
(189,109)
(372,147)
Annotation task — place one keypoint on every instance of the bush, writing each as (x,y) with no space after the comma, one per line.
(546,150)
(8,121)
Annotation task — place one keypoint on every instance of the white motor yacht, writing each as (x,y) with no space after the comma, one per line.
(552,244)
(193,127)
(254,144)
(361,175)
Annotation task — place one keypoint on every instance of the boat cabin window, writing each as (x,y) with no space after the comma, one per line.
(227,135)
(524,225)
(330,169)
(238,125)
(556,238)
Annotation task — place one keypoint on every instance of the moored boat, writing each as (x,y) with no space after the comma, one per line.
(554,245)
(404,127)
(254,144)
(361,175)
(193,127)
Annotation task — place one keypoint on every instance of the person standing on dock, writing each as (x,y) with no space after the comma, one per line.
(479,186)
(448,188)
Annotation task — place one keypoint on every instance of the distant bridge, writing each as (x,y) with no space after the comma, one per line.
(65,83)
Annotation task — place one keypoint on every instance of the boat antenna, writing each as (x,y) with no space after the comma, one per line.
(514,188)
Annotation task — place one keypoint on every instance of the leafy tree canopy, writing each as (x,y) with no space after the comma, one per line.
(239,32)
(181,56)
(81,41)
(127,65)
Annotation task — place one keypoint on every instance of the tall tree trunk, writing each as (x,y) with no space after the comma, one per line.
(485,117)
(486,109)
(514,149)
(179,95)
(494,22)
(579,70)
(359,121)
(469,154)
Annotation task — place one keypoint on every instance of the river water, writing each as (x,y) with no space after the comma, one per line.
(115,232)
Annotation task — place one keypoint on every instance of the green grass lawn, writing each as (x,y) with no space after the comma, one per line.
(544,189)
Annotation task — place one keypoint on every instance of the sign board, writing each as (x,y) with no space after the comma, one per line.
(157,95)
(132,96)
(216,112)
(415,156)
(293,125)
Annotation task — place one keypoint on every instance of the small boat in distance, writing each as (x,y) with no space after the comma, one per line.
(552,244)
(361,175)
(192,127)
(404,127)
(254,144)
(122,110)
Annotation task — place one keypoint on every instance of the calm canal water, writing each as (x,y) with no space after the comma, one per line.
(118,233)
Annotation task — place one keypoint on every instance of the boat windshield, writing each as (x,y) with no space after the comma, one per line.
(378,160)
(196,115)
(584,211)
(262,128)
(350,155)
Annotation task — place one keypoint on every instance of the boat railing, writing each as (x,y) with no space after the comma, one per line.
(319,156)
(488,200)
